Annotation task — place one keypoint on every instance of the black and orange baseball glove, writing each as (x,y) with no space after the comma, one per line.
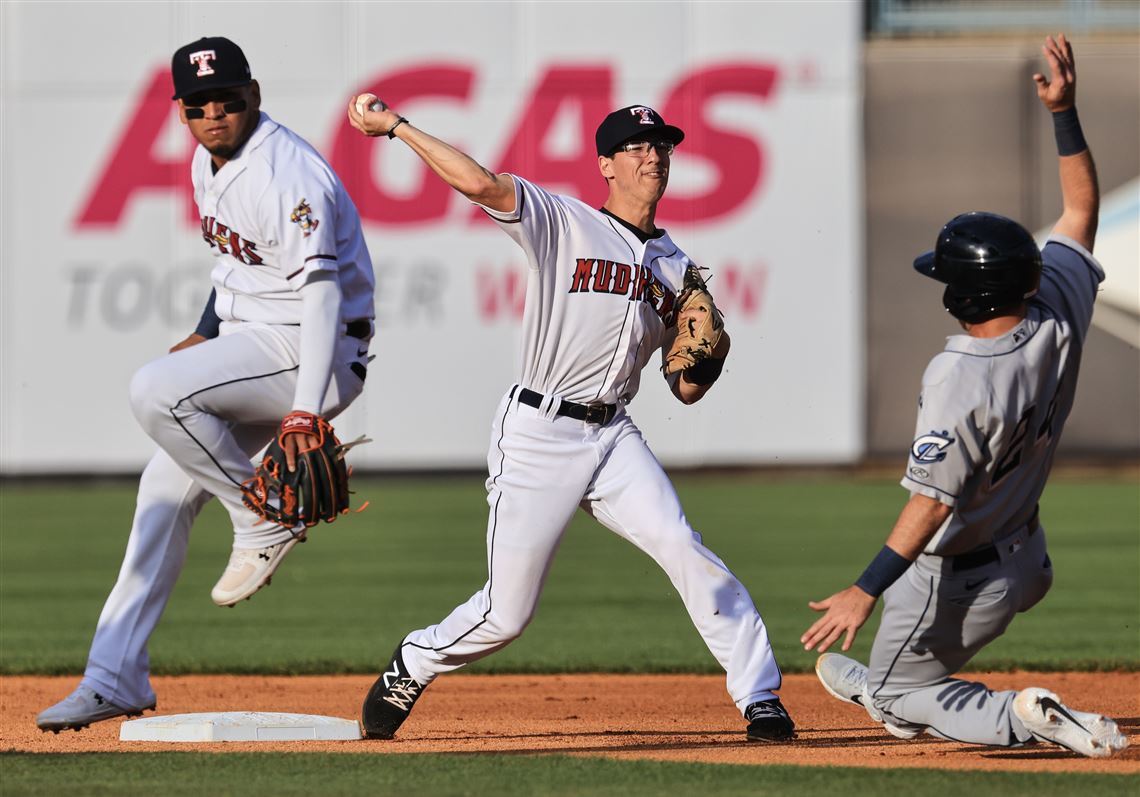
(315,490)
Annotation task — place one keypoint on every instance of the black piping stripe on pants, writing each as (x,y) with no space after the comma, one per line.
(494,529)
(197,442)
(917,625)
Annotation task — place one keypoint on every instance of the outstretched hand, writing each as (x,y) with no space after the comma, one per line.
(1059,91)
(371,123)
(846,612)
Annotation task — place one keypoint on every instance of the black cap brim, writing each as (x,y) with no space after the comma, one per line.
(225,84)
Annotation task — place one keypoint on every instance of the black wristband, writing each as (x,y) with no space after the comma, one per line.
(884,570)
(1067,131)
(703,373)
(209,324)
(392,130)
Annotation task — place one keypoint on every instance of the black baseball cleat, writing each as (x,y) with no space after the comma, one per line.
(390,700)
(768,721)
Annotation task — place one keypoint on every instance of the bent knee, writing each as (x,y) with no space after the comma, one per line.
(151,394)
(507,626)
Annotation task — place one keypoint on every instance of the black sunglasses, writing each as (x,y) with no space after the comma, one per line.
(194,105)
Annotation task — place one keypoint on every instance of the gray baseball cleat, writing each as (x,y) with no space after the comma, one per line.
(81,708)
(768,721)
(846,679)
(1046,717)
(250,570)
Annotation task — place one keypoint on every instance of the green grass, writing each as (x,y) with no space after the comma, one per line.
(341,601)
(174,774)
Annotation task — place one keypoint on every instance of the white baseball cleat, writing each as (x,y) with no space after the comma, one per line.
(249,570)
(846,679)
(1046,717)
(81,708)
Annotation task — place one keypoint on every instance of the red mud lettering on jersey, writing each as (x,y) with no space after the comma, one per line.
(592,275)
(229,242)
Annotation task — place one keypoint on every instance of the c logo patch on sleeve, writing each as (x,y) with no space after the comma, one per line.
(931,447)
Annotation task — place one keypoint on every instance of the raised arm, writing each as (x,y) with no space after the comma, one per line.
(458,169)
(1079,190)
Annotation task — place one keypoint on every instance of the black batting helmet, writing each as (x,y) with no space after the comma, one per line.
(988,262)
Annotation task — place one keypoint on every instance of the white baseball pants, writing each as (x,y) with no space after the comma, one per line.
(542,468)
(934,621)
(210,408)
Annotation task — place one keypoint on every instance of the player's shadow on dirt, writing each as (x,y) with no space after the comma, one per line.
(688,740)
(1023,753)
(840,739)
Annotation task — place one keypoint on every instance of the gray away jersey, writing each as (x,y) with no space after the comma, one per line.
(992,409)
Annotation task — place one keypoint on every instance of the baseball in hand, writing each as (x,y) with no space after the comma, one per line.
(362,103)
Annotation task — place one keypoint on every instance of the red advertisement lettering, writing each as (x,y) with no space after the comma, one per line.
(586,92)
(501,293)
(351,154)
(135,166)
(738,160)
(565,94)
(739,290)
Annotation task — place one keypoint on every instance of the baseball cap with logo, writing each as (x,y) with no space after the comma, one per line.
(212,62)
(633,122)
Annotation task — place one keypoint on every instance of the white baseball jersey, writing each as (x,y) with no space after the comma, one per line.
(598,298)
(992,409)
(274,215)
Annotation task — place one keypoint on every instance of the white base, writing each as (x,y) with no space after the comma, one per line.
(239,726)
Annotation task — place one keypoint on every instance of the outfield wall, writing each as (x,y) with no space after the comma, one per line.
(102,266)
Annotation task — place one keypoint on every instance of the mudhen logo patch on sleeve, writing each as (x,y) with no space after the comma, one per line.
(302,216)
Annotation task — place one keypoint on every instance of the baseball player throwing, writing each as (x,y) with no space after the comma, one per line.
(600,295)
(968,551)
(283,343)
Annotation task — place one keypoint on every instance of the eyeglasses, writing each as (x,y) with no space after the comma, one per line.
(640,149)
(195,105)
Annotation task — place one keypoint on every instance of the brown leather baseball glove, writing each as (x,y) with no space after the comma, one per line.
(699,324)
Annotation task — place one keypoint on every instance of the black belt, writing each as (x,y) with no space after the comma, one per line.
(600,414)
(360,328)
(987,555)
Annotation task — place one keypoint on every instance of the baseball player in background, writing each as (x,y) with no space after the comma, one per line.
(968,550)
(283,341)
(601,284)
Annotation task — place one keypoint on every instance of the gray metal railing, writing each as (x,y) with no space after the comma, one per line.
(910,17)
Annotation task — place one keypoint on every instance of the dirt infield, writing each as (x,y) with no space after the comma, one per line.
(664,717)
